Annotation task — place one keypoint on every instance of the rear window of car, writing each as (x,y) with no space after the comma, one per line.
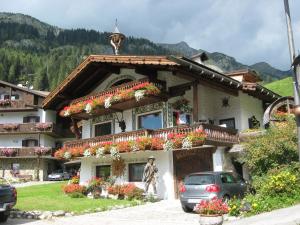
(199,179)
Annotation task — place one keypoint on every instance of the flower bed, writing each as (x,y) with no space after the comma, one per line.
(173,141)
(136,92)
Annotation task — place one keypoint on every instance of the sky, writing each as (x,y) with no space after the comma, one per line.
(249,30)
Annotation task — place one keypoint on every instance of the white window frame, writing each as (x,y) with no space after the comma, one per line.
(108,121)
(147,113)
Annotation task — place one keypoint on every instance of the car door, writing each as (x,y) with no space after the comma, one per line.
(229,185)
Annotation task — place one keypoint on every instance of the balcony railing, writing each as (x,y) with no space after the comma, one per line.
(23,128)
(118,98)
(216,135)
(12,105)
(26,152)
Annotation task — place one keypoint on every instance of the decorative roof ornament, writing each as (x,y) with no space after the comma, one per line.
(116,39)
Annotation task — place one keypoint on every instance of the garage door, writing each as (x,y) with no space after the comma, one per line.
(191,161)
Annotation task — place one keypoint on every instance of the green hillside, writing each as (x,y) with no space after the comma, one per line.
(283,87)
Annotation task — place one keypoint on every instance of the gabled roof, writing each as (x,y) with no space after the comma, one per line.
(96,68)
(42,94)
(248,75)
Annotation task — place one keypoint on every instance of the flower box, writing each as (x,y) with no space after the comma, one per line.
(107,98)
(43,126)
(5,102)
(11,126)
(9,152)
(41,150)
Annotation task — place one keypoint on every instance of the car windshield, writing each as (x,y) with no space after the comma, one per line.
(199,179)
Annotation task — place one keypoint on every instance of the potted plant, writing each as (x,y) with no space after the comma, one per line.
(211,212)
(197,137)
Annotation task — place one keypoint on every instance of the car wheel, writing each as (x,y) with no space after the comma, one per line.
(3,217)
(186,209)
(226,198)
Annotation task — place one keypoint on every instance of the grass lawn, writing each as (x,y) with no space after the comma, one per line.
(49,197)
(283,87)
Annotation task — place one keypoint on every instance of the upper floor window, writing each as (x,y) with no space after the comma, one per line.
(123,81)
(15,97)
(103,129)
(30,143)
(150,121)
(31,119)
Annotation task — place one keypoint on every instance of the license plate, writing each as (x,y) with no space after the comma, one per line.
(193,200)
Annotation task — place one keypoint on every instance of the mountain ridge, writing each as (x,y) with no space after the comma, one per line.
(30,46)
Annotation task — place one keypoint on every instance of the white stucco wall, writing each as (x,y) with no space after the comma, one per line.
(165,183)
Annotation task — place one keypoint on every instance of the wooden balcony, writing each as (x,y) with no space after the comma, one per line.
(128,102)
(24,152)
(30,128)
(14,105)
(216,135)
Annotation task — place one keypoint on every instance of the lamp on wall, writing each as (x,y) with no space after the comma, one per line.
(121,122)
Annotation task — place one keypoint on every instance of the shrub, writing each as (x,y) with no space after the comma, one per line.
(72,188)
(75,180)
(95,184)
(132,192)
(277,147)
(213,207)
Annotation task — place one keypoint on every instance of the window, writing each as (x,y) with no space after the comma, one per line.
(6,97)
(201,179)
(103,129)
(30,143)
(15,97)
(31,119)
(227,178)
(181,118)
(103,171)
(136,171)
(150,121)
(230,123)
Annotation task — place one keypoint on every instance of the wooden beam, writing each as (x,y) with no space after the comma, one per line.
(180,89)
(195,102)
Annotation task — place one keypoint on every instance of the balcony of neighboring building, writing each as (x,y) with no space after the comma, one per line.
(48,128)
(26,152)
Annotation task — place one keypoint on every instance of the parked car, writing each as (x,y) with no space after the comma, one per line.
(59,175)
(8,199)
(207,185)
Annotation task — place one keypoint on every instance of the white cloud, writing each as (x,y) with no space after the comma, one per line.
(251,31)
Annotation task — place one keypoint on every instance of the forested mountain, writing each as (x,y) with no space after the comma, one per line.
(33,51)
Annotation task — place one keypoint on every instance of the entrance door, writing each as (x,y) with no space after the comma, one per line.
(191,161)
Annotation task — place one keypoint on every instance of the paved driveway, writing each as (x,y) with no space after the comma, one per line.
(164,213)
(160,213)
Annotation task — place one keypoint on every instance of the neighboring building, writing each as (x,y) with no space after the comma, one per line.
(28,134)
(235,101)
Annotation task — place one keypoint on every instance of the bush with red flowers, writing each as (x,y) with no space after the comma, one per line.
(74,188)
(213,207)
